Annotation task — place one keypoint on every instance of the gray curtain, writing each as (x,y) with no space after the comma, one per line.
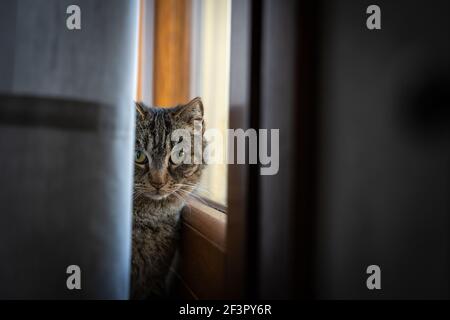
(66,139)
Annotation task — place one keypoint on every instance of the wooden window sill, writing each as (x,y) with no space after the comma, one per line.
(200,269)
(207,220)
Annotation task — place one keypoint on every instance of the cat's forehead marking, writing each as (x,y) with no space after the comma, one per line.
(153,134)
(142,130)
(158,128)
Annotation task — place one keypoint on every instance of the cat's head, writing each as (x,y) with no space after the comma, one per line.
(156,174)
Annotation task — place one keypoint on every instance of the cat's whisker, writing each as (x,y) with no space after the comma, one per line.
(187,188)
(195,196)
(179,196)
(199,199)
(137,194)
(185,193)
(195,187)
(190,186)
(203,190)
(198,191)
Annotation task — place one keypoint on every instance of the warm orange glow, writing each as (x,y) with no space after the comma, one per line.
(172,52)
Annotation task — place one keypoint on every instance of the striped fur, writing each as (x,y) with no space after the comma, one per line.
(156,213)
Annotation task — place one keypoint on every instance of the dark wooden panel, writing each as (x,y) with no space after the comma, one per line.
(241,226)
(270,229)
(200,270)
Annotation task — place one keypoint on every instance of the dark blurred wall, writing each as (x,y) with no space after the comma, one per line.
(385,150)
(66,140)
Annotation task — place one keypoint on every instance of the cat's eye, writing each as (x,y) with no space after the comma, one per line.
(140,157)
(177,158)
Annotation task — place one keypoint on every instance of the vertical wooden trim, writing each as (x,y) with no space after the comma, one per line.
(241,272)
(172,52)
(139,94)
(270,230)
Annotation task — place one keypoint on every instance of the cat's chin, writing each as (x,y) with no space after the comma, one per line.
(157,197)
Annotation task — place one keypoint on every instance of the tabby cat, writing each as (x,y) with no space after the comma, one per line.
(160,190)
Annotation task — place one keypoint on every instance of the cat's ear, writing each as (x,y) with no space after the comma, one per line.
(190,112)
(140,109)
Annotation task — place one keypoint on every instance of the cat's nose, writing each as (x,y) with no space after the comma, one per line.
(158,184)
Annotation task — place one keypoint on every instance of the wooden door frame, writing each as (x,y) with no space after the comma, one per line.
(273,42)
